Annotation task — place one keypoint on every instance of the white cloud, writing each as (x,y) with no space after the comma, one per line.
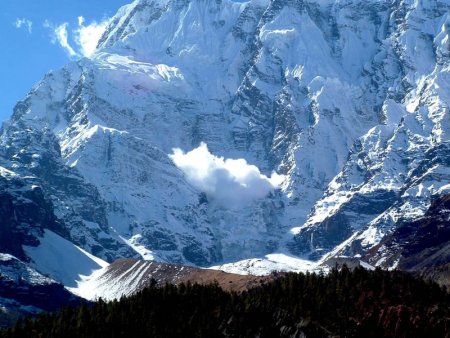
(229,182)
(59,35)
(87,37)
(24,23)
(84,38)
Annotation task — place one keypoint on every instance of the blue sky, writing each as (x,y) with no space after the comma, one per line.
(32,35)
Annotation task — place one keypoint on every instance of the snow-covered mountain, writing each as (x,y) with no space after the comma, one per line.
(301,128)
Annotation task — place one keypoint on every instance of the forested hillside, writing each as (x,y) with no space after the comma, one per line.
(344,303)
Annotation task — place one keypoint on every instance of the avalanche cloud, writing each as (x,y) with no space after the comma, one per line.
(228,182)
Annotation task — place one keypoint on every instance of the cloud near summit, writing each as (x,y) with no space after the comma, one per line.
(228,182)
(78,42)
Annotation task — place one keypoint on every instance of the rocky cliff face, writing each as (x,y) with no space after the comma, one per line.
(347,99)
(24,291)
(420,244)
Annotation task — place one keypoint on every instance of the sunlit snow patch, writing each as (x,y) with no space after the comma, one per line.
(61,259)
(134,243)
(270,263)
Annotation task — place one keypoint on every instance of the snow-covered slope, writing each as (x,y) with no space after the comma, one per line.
(347,101)
(127,276)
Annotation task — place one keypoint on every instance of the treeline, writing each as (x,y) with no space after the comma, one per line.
(343,303)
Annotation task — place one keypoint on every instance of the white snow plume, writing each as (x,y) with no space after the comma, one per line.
(87,36)
(79,42)
(229,182)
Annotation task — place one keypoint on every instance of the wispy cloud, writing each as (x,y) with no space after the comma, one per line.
(78,42)
(24,23)
(60,36)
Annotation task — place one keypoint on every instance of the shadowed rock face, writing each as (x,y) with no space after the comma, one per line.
(422,245)
(24,213)
(24,291)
